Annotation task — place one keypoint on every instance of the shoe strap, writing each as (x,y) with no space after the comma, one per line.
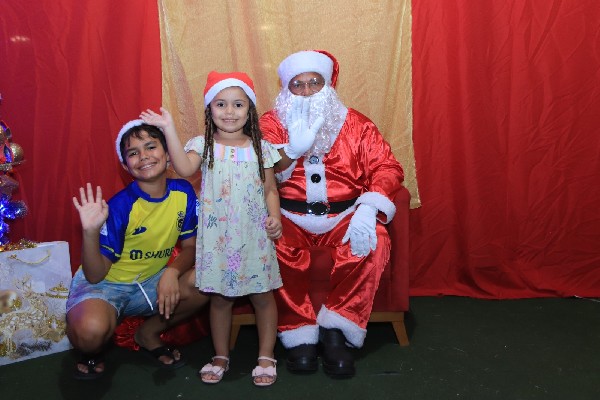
(221,358)
(274,361)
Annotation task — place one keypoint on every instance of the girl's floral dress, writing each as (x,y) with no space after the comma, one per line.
(234,256)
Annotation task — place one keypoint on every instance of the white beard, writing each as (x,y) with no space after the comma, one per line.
(325,103)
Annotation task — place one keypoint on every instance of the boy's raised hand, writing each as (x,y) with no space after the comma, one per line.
(93,210)
(163,121)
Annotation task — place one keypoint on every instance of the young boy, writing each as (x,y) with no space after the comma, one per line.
(126,244)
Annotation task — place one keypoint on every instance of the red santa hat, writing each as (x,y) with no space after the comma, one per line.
(318,61)
(217,81)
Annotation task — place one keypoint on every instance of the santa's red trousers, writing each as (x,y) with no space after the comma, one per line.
(354,280)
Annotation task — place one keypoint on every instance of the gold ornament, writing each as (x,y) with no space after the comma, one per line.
(20,245)
(58,292)
(7,184)
(18,154)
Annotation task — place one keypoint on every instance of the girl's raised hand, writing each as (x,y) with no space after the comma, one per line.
(162,121)
(93,210)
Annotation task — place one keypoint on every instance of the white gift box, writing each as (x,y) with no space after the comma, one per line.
(34,285)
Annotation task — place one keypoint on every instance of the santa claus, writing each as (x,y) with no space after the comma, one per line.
(337,179)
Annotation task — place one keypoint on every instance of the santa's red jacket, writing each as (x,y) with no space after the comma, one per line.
(359,169)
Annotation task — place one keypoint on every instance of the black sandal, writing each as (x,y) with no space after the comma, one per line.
(160,351)
(91,361)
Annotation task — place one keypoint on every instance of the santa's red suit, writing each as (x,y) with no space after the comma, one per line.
(359,169)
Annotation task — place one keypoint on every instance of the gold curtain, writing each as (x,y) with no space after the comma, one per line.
(370,39)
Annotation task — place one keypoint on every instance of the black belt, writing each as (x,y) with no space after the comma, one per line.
(316,207)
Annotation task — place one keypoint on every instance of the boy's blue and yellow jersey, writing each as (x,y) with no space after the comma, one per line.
(141,232)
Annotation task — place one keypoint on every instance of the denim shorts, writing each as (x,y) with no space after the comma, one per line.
(127,298)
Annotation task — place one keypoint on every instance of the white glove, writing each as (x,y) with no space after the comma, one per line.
(301,135)
(361,231)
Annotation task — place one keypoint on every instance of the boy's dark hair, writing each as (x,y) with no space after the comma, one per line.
(136,132)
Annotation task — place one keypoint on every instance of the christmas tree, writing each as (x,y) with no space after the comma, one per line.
(11,155)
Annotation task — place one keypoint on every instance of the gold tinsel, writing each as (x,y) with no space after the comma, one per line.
(20,245)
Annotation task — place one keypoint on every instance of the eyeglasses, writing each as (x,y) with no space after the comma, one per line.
(314,85)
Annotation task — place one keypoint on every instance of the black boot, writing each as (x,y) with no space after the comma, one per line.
(302,359)
(338,361)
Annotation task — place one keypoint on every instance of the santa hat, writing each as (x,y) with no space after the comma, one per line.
(217,81)
(318,61)
(124,129)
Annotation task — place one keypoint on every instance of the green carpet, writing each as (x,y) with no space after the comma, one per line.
(460,348)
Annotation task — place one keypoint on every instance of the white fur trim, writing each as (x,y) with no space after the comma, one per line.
(315,191)
(307,334)
(125,128)
(355,335)
(305,61)
(226,83)
(380,202)
(317,224)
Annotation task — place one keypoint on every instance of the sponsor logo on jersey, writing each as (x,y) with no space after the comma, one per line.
(139,229)
(137,254)
(180,218)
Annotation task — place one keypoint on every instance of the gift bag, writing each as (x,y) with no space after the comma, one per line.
(34,285)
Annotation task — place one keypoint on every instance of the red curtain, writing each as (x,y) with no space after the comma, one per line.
(506,117)
(506,100)
(72,72)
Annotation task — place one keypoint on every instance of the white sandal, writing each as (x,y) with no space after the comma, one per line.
(261,372)
(214,371)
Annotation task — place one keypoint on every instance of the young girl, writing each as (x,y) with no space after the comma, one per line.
(239,215)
